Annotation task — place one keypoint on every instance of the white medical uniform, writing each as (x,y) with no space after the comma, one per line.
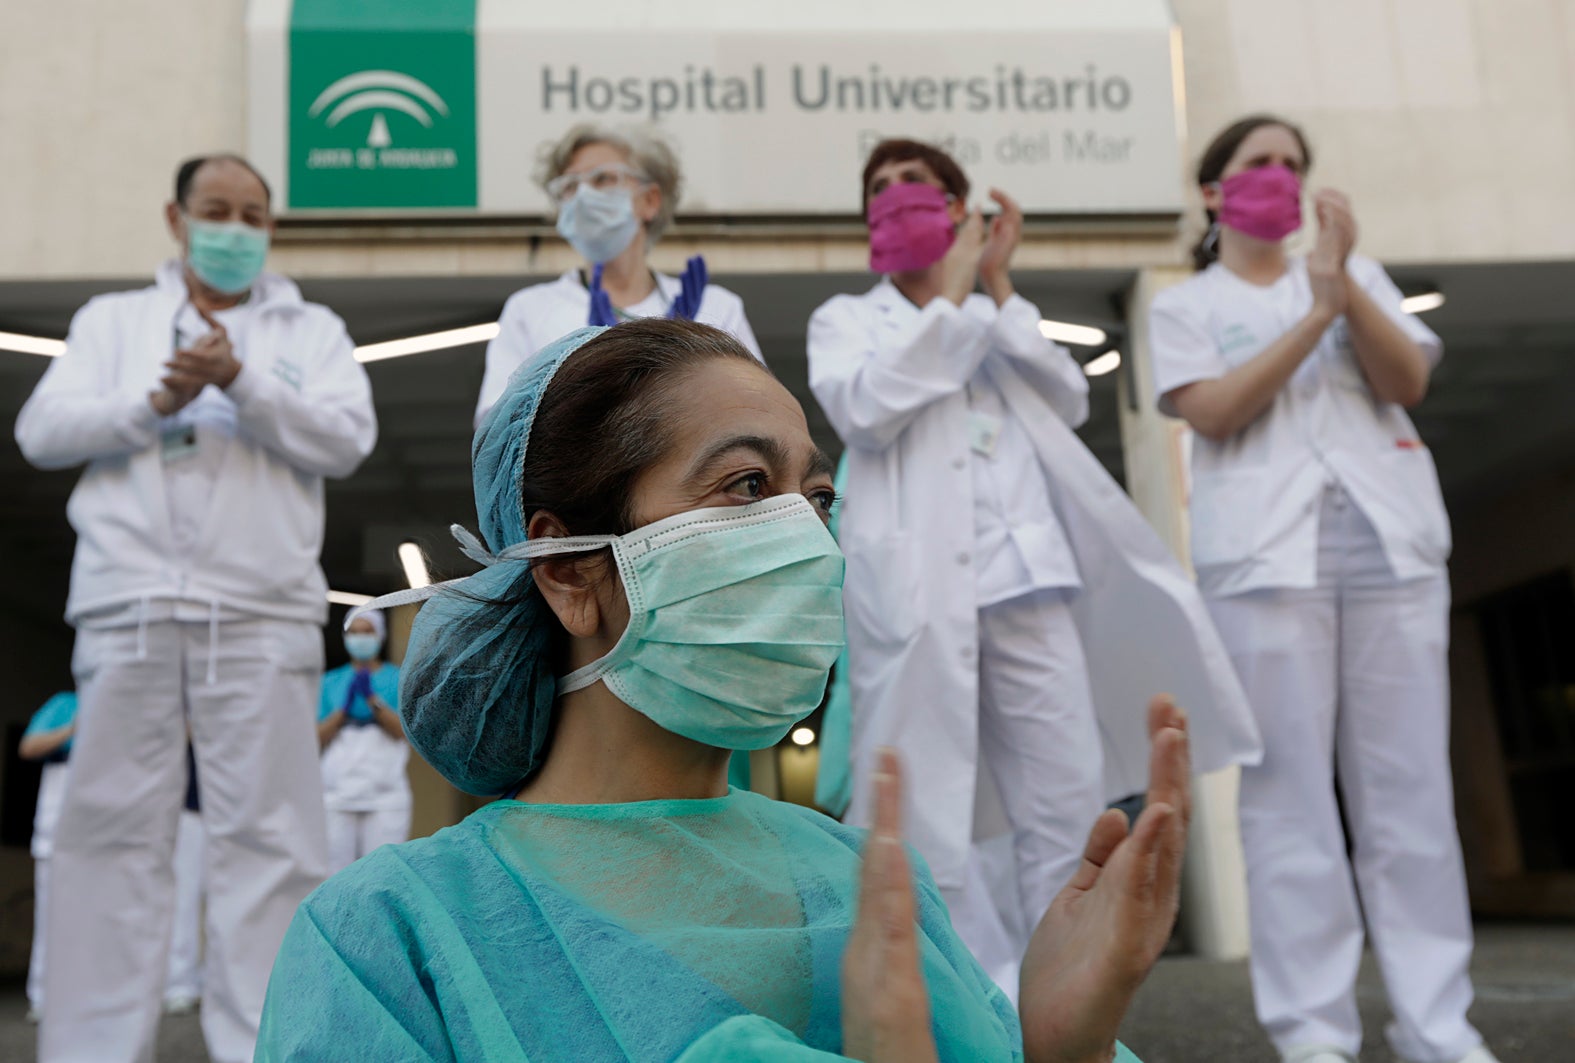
(365,789)
(536,316)
(198,600)
(1320,538)
(973,517)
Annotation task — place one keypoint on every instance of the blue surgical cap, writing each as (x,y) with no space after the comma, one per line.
(476,688)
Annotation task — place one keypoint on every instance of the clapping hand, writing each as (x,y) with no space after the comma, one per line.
(1326,274)
(211,360)
(1005,232)
(1105,930)
(885,1004)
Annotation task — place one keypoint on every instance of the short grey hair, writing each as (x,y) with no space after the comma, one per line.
(646,152)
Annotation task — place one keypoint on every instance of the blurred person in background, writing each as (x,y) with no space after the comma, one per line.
(1319,537)
(365,789)
(984,541)
(207,410)
(615,193)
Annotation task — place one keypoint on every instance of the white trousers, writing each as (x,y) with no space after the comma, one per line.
(1039,742)
(1350,679)
(183,976)
(351,835)
(248,690)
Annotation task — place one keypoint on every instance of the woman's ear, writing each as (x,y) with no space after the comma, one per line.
(1212,196)
(648,204)
(567,583)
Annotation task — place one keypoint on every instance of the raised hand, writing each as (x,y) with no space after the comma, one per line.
(885,1004)
(1005,233)
(1105,930)
(960,266)
(1326,274)
(211,360)
(1337,220)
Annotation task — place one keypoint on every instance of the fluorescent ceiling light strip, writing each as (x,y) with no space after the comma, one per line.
(415,565)
(1108,362)
(430,341)
(16,341)
(1421,304)
(1066,332)
(349,598)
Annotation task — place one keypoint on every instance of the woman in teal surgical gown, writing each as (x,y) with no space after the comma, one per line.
(658,588)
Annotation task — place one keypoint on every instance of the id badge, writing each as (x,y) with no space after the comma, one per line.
(984,431)
(178,443)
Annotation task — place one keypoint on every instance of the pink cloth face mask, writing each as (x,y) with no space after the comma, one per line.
(1264,202)
(909,228)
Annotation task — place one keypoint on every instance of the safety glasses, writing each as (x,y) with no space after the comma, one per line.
(566,186)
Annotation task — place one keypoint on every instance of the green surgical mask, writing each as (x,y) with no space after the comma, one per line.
(226,256)
(735,619)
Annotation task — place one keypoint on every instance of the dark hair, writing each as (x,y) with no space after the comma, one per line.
(186,173)
(899,150)
(606,418)
(478,684)
(1217,156)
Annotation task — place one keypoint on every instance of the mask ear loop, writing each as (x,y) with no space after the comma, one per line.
(1211,239)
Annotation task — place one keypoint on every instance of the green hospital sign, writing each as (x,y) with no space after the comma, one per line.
(382,115)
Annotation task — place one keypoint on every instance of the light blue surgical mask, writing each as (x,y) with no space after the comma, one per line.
(735,619)
(226,256)
(599,223)
(363,645)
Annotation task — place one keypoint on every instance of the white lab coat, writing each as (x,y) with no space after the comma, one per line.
(304,412)
(536,316)
(893,387)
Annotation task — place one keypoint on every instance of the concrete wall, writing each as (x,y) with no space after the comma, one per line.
(1451,123)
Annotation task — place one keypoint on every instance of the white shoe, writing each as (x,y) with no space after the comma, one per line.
(1317,1054)
(180,1004)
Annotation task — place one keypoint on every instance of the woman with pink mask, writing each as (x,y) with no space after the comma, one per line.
(1319,538)
(991,561)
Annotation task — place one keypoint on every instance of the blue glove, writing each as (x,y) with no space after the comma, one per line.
(691,290)
(602,312)
(358,703)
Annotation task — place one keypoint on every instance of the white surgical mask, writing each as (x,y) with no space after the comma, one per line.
(363,645)
(599,224)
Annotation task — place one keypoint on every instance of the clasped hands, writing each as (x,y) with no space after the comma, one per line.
(210,360)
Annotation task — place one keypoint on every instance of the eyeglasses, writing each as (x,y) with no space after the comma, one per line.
(566,186)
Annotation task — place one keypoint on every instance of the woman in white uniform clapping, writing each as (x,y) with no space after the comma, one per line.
(1319,538)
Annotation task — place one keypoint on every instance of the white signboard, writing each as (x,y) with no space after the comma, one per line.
(1069,123)
(379,108)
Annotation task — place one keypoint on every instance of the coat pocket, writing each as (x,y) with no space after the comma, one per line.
(1226,510)
(881,592)
(1411,481)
